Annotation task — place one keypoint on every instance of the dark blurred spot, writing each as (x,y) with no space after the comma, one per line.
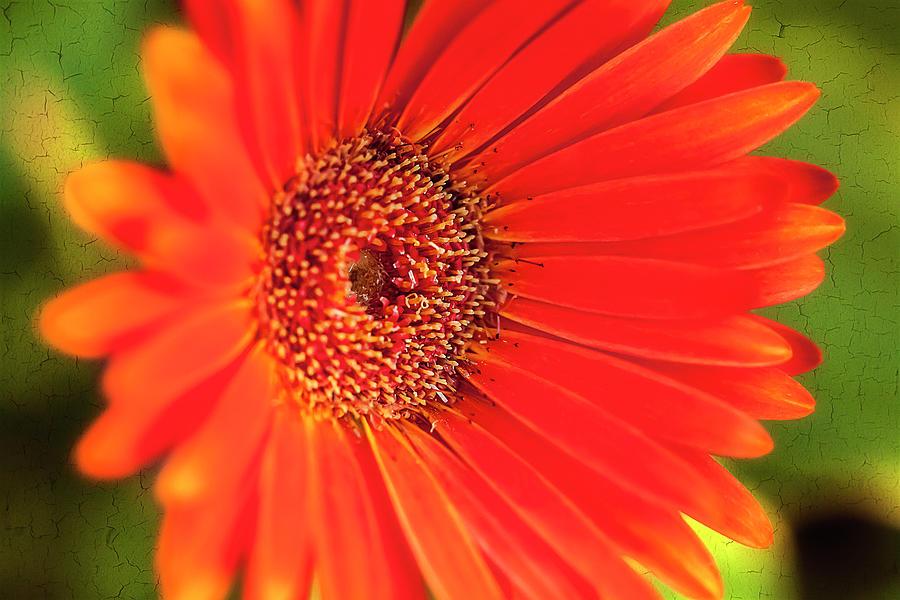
(846,556)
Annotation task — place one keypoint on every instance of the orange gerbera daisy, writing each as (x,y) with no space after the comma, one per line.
(468,311)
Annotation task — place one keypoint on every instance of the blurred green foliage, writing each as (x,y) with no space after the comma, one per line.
(71,91)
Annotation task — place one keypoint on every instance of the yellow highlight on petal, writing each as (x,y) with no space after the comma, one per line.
(179,483)
(204,586)
(278,589)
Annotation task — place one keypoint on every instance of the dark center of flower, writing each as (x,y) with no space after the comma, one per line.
(369,280)
(374,282)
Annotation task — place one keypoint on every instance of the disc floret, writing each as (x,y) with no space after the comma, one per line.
(374,280)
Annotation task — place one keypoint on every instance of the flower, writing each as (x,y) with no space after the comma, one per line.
(470,311)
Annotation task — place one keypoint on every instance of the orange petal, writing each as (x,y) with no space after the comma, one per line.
(161,389)
(265,68)
(222,450)
(180,356)
(519,551)
(373,29)
(654,534)
(661,407)
(126,203)
(743,519)
(785,281)
(591,435)
(656,537)
(575,44)
(211,19)
(625,88)
(125,439)
(728,341)
(691,137)
(224,260)
(109,313)
(434,528)
(801,182)
(354,524)
(626,286)
(480,48)
(767,393)
(200,545)
(323,27)
(733,73)
(197,122)
(551,514)
(208,527)
(805,354)
(436,24)
(634,208)
(780,233)
(160,219)
(281,561)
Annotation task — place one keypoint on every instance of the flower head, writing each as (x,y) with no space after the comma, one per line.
(469,310)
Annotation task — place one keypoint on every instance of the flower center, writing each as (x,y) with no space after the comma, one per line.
(375,280)
(369,281)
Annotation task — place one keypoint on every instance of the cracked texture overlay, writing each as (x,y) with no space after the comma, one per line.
(71,92)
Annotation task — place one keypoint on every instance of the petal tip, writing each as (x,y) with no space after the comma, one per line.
(49,324)
(779,67)
(763,442)
(804,409)
(95,454)
(74,191)
(158,34)
(56,328)
(802,94)
(828,184)
(840,226)
(760,534)
(811,92)
(714,588)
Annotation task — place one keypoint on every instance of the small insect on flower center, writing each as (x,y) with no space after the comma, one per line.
(369,280)
(374,281)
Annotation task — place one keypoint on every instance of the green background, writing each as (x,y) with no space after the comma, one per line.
(71,92)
